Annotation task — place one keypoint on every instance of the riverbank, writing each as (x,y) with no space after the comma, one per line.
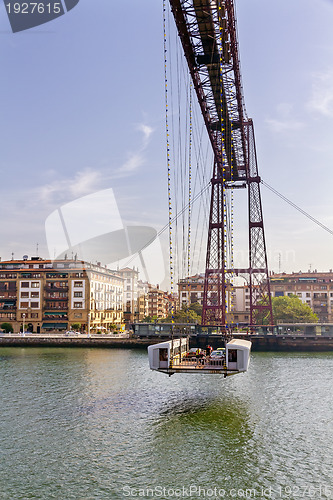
(259,342)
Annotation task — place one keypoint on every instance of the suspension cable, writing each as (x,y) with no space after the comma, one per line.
(168,156)
(189,189)
(284,198)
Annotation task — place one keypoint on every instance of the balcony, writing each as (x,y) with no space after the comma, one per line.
(49,288)
(51,307)
(62,299)
(8,296)
(55,315)
(6,289)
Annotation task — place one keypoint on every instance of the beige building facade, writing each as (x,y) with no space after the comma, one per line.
(41,295)
(158,303)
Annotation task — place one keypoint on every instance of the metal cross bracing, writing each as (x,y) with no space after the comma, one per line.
(207,30)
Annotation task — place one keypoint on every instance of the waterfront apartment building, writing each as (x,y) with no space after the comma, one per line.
(312,287)
(41,295)
(141,299)
(159,303)
(142,303)
(191,290)
(130,294)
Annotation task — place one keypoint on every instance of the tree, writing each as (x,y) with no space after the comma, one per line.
(149,319)
(76,326)
(7,327)
(184,315)
(288,309)
(197,308)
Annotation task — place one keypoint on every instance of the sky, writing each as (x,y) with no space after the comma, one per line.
(83,111)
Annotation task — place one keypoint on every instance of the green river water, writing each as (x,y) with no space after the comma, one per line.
(98,424)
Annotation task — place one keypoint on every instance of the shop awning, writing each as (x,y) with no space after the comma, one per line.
(55,313)
(55,326)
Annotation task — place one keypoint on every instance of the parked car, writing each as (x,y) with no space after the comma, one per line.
(218,354)
(193,352)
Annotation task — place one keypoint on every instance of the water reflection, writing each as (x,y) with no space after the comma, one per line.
(85,422)
(203,437)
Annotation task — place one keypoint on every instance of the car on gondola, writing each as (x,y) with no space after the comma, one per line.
(218,354)
(192,353)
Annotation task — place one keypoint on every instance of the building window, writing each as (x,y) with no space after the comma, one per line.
(78,305)
(78,284)
(35,295)
(24,305)
(24,295)
(34,315)
(25,284)
(77,294)
(35,284)
(35,305)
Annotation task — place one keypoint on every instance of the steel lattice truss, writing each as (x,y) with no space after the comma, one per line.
(207,29)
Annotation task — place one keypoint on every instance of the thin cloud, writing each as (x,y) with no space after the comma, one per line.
(285,122)
(84,182)
(137,159)
(147,132)
(284,126)
(322,94)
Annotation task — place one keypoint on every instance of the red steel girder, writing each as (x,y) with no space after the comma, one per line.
(208,32)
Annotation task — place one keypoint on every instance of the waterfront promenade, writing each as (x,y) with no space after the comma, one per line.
(306,343)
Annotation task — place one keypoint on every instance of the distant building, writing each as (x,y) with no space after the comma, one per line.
(142,301)
(240,305)
(313,288)
(44,295)
(130,295)
(191,290)
(158,303)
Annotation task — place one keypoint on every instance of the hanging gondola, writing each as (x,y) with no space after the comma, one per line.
(173,356)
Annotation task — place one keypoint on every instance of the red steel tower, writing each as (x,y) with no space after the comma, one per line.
(207,30)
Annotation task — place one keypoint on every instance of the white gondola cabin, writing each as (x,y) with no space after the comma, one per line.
(174,356)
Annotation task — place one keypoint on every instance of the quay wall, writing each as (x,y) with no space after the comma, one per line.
(273,342)
(40,340)
(259,342)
